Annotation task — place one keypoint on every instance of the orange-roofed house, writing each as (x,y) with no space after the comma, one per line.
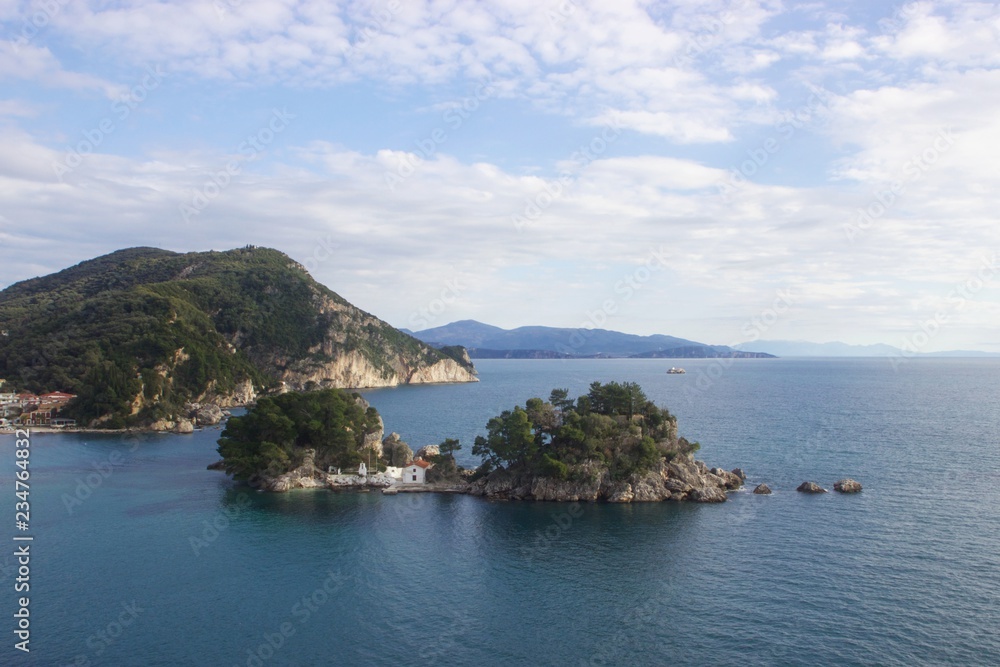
(60,397)
(416,472)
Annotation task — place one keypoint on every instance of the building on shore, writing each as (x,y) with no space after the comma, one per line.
(416,472)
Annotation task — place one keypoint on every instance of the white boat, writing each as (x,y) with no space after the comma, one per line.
(676,371)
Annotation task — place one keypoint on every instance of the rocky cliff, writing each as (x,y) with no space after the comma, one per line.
(140,332)
(353,370)
(356,350)
(683,478)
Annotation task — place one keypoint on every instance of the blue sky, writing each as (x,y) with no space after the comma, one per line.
(685,168)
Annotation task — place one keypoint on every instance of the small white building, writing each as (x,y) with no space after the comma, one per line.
(394,472)
(416,472)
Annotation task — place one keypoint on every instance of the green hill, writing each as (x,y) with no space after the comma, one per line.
(140,332)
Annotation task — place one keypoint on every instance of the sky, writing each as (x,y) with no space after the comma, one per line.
(720,171)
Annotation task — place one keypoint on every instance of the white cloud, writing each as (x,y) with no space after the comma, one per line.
(389,249)
(957,34)
(700,78)
(28,62)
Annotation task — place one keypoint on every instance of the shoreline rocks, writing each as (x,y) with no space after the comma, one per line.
(847,486)
(762,490)
(681,479)
(810,487)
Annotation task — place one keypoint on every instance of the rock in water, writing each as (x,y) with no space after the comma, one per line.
(847,486)
(810,487)
(730,480)
(708,494)
(739,473)
(763,490)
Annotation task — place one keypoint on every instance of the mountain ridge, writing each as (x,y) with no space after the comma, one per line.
(141,332)
(544,342)
(799,348)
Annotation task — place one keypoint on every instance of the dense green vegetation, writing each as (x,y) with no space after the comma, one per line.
(614,425)
(166,328)
(272,437)
(445,469)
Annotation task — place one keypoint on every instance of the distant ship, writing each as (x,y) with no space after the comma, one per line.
(676,371)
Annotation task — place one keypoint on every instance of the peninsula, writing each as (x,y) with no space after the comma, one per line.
(145,338)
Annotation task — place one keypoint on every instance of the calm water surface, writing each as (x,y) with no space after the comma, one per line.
(162,562)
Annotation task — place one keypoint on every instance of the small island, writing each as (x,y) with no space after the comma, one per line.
(612,444)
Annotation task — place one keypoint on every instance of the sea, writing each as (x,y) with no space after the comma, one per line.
(142,556)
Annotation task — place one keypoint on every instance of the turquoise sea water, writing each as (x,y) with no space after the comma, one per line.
(162,562)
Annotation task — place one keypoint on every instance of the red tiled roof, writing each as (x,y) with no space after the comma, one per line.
(420,463)
(56,396)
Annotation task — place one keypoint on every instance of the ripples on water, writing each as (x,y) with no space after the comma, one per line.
(904,573)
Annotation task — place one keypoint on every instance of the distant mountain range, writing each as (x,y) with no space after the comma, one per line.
(789,348)
(488,342)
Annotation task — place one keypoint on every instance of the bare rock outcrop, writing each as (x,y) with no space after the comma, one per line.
(172,426)
(810,487)
(397,452)
(428,451)
(762,490)
(305,476)
(242,394)
(682,478)
(847,486)
(208,415)
(373,440)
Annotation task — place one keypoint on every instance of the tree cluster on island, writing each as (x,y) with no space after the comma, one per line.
(334,426)
(614,425)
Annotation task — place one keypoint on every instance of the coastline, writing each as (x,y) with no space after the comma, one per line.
(83,429)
